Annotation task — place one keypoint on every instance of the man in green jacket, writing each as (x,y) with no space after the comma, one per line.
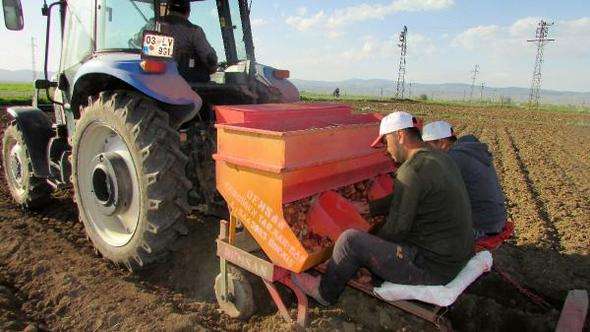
(427,237)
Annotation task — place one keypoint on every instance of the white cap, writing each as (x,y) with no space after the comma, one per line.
(437,130)
(393,122)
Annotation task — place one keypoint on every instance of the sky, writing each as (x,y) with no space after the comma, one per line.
(332,40)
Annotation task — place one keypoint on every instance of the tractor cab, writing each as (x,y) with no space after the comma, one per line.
(105,34)
(121,25)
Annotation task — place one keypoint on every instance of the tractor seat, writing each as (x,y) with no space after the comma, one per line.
(495,241)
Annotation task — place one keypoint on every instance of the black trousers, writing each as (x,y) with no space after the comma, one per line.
(387,260)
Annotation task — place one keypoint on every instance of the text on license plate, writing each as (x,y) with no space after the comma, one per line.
(158,45)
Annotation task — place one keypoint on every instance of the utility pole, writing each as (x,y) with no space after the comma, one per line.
(475,71)
(401,75)
(410,91)
(481,92)
(33,58)
(35,97)
(540,39)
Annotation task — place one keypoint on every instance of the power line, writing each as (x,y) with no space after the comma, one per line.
(401,75)
(540,39)
(475,71)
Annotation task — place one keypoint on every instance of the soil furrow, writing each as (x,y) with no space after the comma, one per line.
(541,207)
(530,228)
(565,207)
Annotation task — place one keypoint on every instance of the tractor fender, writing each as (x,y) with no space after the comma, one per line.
(37,130)
(265,74)
(168,87)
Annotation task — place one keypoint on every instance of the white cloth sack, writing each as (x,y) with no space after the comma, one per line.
(442,295)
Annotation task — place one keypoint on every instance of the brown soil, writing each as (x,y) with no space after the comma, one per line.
(51,279)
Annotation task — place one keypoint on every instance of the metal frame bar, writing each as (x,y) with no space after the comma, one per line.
(227,31)
(247,29)
(270,273)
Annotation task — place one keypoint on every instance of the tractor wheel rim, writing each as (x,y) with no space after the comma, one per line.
(16,166)
(108,184)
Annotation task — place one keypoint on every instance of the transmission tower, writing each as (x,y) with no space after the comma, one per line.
(401,75)
(540,39)
(33,58)
(475,71)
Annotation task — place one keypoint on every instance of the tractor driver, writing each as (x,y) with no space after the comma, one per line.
(196,58)
(427,237)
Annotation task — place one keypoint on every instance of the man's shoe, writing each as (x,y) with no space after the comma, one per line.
(310,286)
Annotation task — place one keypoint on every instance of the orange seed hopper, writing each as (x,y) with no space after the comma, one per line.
(273,154)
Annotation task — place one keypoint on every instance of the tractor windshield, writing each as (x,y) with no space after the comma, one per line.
(205,15)
(120,24)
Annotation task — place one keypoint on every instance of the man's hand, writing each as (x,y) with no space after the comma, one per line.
(361,207)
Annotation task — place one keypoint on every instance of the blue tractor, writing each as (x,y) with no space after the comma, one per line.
(127,127)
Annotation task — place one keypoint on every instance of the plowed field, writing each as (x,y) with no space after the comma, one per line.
(51,278)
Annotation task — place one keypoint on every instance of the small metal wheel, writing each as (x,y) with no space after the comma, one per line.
(239,301)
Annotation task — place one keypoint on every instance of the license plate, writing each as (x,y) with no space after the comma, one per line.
(157,45)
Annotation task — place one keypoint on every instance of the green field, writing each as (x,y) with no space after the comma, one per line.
(22,93)
(16,93)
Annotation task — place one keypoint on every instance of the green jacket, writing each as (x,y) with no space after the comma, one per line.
(429,209)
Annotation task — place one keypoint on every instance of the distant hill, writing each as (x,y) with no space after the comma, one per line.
(19,76)
(447,91)
(385,88)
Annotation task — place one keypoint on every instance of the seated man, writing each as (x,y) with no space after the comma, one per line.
(427,237)
(488,209)
(196,59)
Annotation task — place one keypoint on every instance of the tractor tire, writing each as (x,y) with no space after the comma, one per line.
(200,147)
(27,190)
(129,181)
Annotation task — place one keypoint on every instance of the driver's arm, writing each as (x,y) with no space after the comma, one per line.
(205,52)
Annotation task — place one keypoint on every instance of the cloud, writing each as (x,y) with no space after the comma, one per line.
(374,49)
(301,11)
(500,41)
(524,27)
(420,45)
(370,48)
(258,22)
(302,23)
(360,13)
(475,37)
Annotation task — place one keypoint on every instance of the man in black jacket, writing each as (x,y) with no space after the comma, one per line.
(488,209)
(195,57)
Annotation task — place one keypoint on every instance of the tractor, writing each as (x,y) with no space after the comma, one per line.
(124,127)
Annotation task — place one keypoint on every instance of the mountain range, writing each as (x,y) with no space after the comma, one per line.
(386,88)
(19,76)
(444,91)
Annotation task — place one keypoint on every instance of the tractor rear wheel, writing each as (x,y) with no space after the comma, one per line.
(129,178)
(26,189)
